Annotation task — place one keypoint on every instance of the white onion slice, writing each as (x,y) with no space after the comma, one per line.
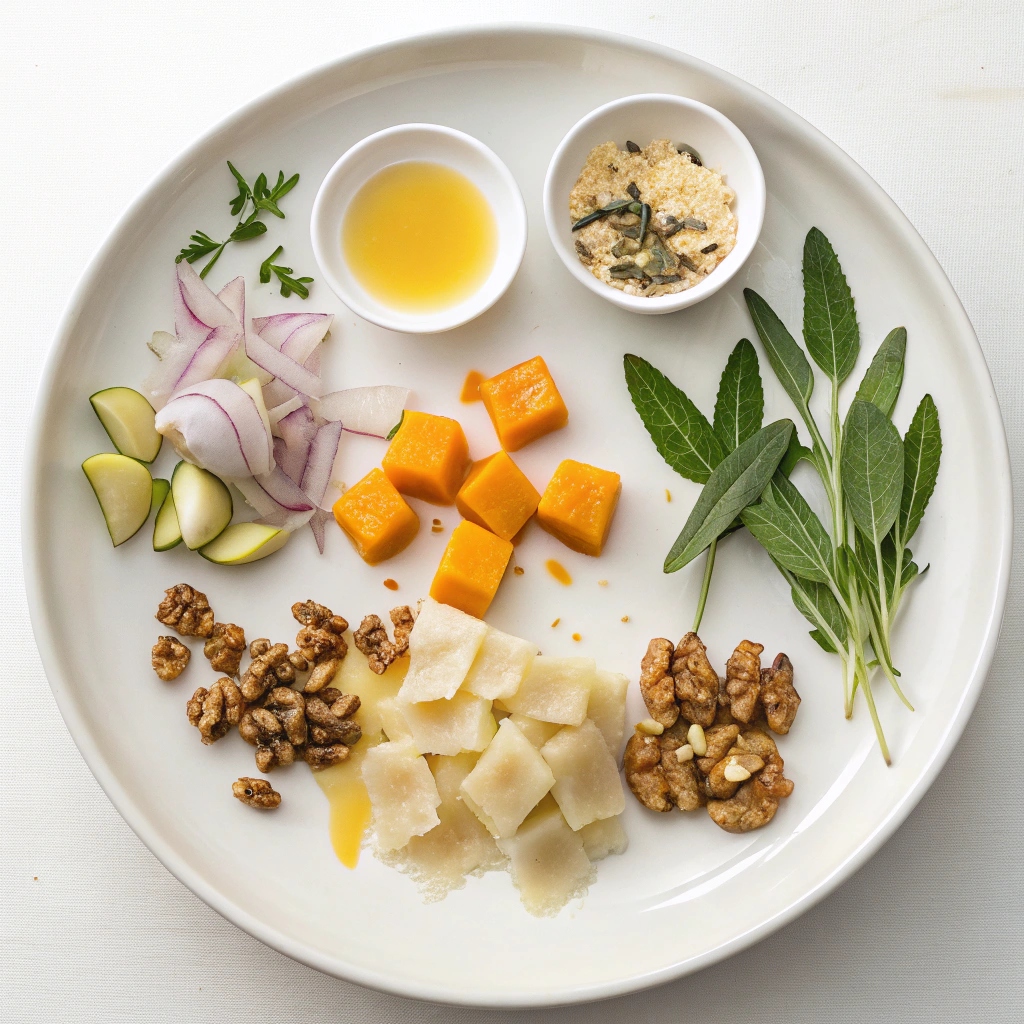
(216,426)
(233,296)
(322,453)
(283,367)
(297,431)
(372,410)
(277,499)
(294,334)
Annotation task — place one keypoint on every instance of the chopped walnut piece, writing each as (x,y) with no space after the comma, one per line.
(256,793)
(720,739)
(319,758)
(685,784)
(320,641)
(269,666)
(213,711)
(779,696)
(289,707)
(372,638)
(697,683)
(186,610)
(719,785)
(750,808)
(225,647)
(642,764)
(743,680)
(657,685)
(169,658)
(261,728)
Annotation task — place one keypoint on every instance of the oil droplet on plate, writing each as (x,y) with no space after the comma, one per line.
(559,571)
(391,584)
(577,637)
(471,387)
(668,494)
(555,623)
(518,570)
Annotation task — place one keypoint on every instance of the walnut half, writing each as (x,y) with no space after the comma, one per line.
(186,610)
(256,793)
(169,658)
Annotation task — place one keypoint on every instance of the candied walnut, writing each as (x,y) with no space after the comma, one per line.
(213,711)
(725,778)
(325,727)
(743,680)
(697,683)
(225,647)
(269,666)
(372,638)
(186,610)
(657,685)
(778,695)
(319,758)
(719,739)
(256,793)
(320,641)
(750,808)
(685,785)
(261,728)
(169,658)
(642,764)
(756,741)
(288,706)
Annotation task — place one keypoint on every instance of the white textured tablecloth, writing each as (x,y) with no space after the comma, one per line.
(928,95)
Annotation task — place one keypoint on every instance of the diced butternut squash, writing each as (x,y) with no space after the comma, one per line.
(471,569)
(428,457)
(578,505)
(497,495)
(377,519)
(523,404)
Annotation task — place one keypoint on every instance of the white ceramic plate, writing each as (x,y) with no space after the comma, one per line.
(685,894)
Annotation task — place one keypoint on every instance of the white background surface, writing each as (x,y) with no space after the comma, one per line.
(94,99)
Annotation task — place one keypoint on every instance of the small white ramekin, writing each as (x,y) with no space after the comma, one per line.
(437,144)
(642,118)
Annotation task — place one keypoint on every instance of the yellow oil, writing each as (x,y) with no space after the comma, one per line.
(343,784)
(419,236)
(559,571)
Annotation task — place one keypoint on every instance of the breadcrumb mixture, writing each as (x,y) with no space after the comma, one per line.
(675,187)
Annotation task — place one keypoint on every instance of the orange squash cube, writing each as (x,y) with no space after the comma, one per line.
(428,457)
(377,519)
(497,495)
(523,404)
(471,569)
(578,504)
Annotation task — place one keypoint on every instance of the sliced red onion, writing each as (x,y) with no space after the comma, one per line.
(372,410)
(277,413)
(322,453)
(287,371)
(297,431)
(294,334)
(217,426)
(312,363)
(317,524)
(277,499)
(233,296)
(207,333)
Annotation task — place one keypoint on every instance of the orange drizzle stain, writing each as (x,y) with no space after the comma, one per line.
(555,623)
(559,571)
(668,494)
(577,637)
(437,526)
(518,570)
(602,583)
(471,387)
(390,584)
(625,618)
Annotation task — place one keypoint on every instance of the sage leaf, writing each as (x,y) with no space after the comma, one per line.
(872,469)
(868,565)
(785,355)
(830,318)
(884,377)
(787,528)
(736,481)
(922,453)
(739,408)
(680,431)
(795,453)
(817,604)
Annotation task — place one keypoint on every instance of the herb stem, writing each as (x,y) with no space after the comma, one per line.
(709,567)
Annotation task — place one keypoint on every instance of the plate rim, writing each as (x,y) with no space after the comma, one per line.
(45,635)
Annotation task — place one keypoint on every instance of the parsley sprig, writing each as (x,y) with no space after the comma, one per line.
(289,284)
(261,198)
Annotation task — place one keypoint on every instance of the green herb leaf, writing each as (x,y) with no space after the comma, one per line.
(288,283)
(787,528)
(922,453)
(872,469)
(680,431)
(738,480)
(246,231)
(884,378)
(795,453)
(265,266)
(817,604)
(785,355)
(830,319)
(739,408)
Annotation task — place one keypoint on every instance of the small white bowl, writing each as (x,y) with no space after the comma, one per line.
(436,144)
(642,118)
